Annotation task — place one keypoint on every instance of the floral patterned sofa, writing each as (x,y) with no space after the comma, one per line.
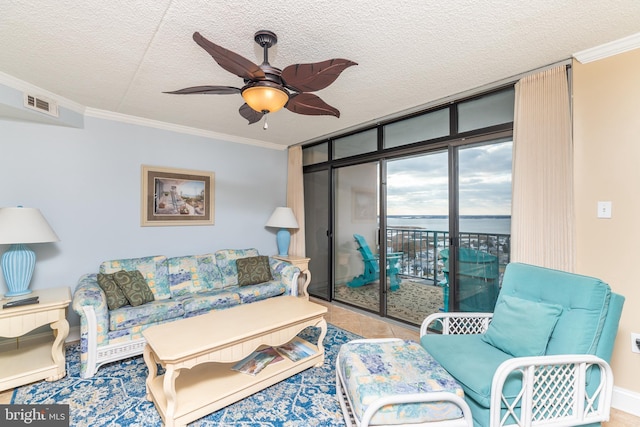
(181,286)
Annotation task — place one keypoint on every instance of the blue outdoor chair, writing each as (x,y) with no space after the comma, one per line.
(478,280)
(371,266)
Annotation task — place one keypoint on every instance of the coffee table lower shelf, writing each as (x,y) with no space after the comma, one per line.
(211,386)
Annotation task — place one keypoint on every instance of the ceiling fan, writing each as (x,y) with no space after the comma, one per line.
(267,89)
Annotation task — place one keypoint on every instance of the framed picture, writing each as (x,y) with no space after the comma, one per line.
(176,197)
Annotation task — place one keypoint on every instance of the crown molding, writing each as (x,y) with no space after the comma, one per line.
(22,86)
(608,49)
(124,118)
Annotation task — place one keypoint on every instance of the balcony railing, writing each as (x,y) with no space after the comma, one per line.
(420,250)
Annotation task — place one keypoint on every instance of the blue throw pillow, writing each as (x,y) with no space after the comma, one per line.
(521,327)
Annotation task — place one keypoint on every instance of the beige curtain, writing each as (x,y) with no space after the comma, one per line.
(295,199)
(542,220)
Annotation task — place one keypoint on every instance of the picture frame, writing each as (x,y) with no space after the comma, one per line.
(173,197)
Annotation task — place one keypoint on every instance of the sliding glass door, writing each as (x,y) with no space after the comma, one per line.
(417,218)
(412,216)
(316,206)
(356,236)
(484,206)
(432,228)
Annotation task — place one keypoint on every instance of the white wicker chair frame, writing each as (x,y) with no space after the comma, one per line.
(554,388)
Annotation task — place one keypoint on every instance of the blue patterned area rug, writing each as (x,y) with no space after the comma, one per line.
(116,395)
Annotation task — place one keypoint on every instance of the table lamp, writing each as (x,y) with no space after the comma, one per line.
(284,219)
(19,226)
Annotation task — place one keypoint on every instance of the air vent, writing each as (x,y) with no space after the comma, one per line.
(41,104)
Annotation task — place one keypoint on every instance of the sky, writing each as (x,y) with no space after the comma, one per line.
(419,185)
(186,188)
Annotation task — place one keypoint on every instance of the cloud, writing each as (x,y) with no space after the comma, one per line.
(420,185)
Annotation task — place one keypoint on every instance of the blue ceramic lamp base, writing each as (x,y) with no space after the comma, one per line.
(283,237)
(17,265)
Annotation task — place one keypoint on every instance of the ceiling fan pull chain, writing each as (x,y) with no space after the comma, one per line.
(266,125)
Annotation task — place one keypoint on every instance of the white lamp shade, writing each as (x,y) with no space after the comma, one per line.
(282,218)
(24,225)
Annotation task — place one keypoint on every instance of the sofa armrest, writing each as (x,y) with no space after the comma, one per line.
(90,303)
(89,293)
(285,273)
(557,390)
(456,323)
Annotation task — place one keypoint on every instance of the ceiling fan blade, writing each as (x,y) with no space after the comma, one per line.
(211,90)
(310,105)
(230,61)
(312,77)
(250,114)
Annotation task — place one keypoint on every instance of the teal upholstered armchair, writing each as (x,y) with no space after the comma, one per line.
(542,356)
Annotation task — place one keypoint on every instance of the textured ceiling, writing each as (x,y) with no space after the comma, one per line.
(120,55)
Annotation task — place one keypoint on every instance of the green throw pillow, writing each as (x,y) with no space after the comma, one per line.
(115,296)
(253,270)
(134,287)
(521,327)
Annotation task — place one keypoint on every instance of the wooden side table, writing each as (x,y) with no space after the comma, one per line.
(40,357)
(303,264)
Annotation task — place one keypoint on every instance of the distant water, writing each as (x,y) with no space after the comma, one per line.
(490,224)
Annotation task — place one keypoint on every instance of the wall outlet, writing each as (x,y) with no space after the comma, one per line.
(635,343)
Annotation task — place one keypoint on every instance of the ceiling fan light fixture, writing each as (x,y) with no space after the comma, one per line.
(265,96)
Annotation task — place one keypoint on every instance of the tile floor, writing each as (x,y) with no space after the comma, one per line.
(5,397)
(370,326)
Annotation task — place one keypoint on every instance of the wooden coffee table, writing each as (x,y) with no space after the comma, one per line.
(192,387)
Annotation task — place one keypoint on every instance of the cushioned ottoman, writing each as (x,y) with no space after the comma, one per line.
(394,382)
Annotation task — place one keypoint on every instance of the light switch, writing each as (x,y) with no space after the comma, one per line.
(604,209)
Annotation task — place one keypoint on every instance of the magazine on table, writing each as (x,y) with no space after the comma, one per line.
(296,350)
(257,361)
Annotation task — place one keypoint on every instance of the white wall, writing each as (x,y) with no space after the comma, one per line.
(87,184)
